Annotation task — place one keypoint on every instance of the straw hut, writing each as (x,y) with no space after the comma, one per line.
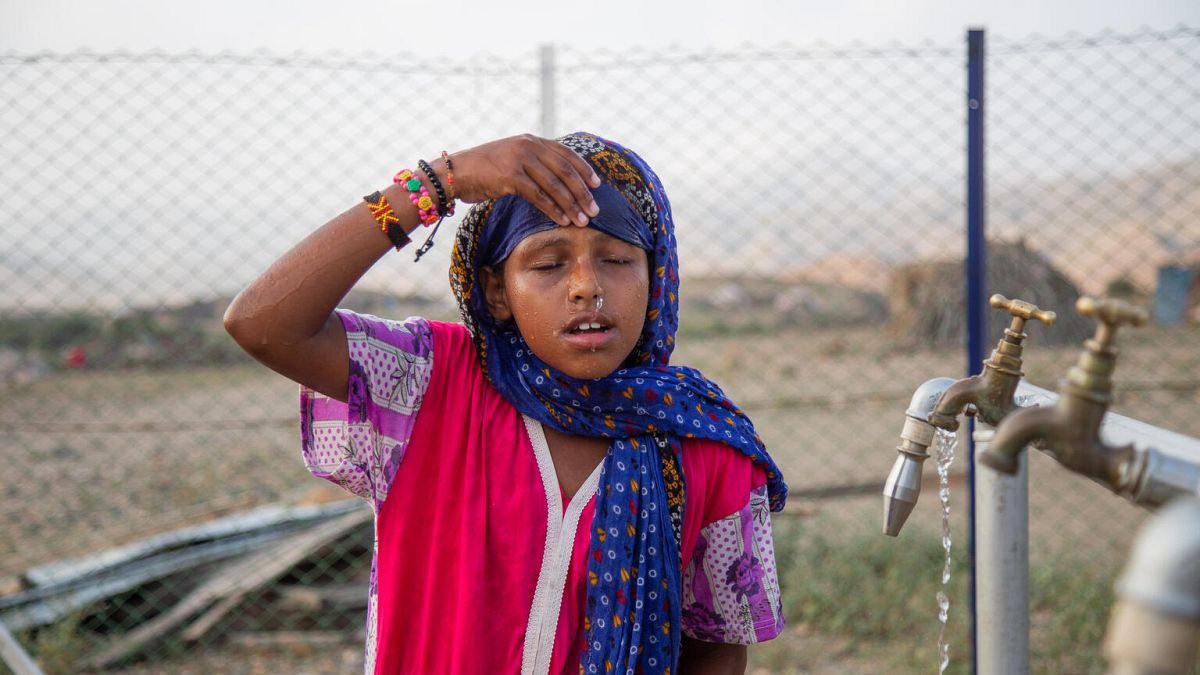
(927,302)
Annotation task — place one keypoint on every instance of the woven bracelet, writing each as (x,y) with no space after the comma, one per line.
(388,221)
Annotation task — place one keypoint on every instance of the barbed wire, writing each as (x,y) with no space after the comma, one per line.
(1000,46)
(599,61)
(398,63)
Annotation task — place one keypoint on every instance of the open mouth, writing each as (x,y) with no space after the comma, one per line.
(588,328)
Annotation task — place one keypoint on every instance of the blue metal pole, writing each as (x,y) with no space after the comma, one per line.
(977,306)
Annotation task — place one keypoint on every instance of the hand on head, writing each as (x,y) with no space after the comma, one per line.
(547,174)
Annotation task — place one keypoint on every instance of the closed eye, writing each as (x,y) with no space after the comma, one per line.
(619,261)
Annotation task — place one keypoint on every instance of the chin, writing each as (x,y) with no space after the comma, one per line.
(589,373)
(588,370)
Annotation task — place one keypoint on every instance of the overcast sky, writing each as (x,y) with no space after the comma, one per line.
(471,26)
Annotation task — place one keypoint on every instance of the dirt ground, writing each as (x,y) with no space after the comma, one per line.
(97,459)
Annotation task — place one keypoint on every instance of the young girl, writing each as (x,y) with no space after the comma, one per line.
(550,495)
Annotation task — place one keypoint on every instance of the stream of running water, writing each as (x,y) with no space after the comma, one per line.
(946,443)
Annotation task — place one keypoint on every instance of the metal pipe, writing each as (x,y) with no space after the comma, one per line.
(549,121)
(976,270)
(1002,572)
(1155,626)
(15,656)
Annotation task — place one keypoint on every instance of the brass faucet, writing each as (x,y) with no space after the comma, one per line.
(939,401)
(989,395)
(1070,429)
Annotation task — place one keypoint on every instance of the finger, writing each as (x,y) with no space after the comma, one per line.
(577,174)
(579,163)
(558,191)
(534,194)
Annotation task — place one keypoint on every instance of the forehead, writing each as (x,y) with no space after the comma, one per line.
(569,237)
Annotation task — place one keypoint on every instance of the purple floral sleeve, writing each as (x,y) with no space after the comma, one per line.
(730,588)
(359,444)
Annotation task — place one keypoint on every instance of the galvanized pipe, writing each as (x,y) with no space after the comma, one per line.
(14,656)
(1002,566)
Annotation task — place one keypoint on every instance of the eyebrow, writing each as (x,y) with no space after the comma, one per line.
(549,242)
(559,240)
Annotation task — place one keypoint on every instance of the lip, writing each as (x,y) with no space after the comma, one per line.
(589,341)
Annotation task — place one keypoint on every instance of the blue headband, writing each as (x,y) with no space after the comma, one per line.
(513,219)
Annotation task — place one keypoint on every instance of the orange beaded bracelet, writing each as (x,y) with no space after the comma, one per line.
(449,176)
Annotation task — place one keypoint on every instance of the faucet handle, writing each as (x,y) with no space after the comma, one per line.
(1022,311)
(1110,313)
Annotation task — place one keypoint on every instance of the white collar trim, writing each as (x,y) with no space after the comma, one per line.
(556,556)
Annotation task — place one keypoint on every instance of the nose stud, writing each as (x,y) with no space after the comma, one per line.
(599,302)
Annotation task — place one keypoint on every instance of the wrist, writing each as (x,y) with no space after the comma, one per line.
(397,196)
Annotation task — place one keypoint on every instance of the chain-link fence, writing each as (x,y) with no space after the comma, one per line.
(158,517)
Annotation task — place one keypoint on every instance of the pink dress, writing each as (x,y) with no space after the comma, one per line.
(480,561)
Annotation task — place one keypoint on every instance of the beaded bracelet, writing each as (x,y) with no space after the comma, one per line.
(388,221)
(419,196)
(443,209)
(449,178)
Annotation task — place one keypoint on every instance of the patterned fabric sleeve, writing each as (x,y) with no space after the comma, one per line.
(730,589)
(359,444)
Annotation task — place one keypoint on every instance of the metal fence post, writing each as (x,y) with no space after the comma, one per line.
(14,656)
(977,306)
(548,123)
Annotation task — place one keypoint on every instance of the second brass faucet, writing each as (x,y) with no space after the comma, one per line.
(1070,429)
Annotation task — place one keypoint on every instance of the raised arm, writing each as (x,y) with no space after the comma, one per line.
(284,318)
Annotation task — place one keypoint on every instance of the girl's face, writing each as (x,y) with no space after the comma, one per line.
(578,296)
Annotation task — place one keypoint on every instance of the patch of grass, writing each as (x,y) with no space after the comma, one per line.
(873,590)
(1070,601)
(874,598)
(57,648)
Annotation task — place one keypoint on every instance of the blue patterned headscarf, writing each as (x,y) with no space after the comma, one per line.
(646,407)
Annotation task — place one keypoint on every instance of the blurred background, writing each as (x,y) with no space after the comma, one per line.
(155,158)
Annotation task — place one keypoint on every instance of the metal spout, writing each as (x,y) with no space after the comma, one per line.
(901,491)
(1155,625)
(903,486)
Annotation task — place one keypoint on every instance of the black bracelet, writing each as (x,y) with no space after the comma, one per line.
(442,205)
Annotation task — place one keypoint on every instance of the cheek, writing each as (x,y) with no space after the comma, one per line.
(638,299)
(529,302)
(643,288)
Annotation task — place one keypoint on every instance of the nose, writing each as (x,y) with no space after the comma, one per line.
(584,284)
